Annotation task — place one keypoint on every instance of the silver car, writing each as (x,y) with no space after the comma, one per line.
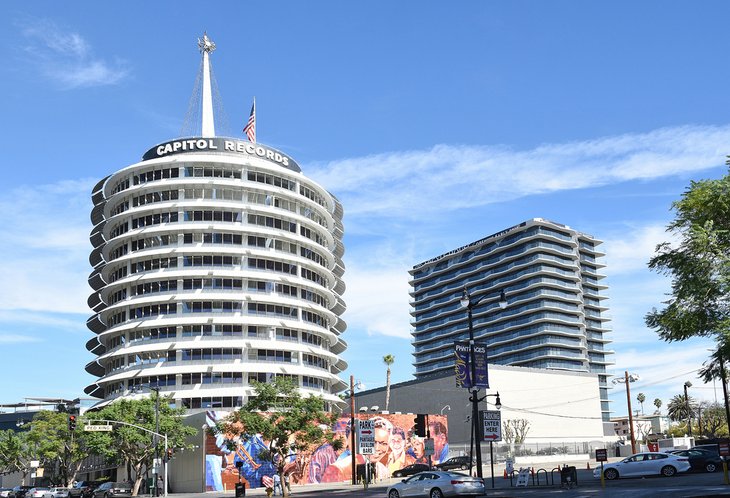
(36,492)
(57,492)
(644,464)
(437,484)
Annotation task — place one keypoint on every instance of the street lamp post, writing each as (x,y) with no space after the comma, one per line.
(627,380)
(353,428)
(689,412)
(467,303)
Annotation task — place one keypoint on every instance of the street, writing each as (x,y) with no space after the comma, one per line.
(685,485)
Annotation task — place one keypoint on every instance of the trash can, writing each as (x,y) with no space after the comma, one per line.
(240,489)
(568,477)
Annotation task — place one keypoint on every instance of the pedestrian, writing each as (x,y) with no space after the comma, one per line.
(277,484)
(160,486)
(286,483)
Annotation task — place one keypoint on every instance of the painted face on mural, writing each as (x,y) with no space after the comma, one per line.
(382,444)
(397,443)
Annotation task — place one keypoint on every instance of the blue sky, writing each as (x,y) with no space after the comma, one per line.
(435,125)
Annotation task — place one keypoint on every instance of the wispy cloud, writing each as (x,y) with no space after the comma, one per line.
(46,247)
(67,58)
(412,184)
(7,339)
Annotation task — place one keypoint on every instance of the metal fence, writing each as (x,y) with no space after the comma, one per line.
(502,451)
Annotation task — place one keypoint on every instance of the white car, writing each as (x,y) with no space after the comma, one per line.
(436,484)
(36,492)
(644,464)
(57,492)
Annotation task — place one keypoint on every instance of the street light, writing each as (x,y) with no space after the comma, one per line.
(469,304)
(627,380)
(689,412)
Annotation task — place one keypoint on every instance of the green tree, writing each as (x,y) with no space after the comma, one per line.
(60,453)
(15,453)
(713,421)
(133,446)
(388,359)
(658,404)
(291,422)
(679,409)
(699,265)
(641,397)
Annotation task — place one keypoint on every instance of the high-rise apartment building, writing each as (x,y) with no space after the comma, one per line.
(555,312)
(216,263)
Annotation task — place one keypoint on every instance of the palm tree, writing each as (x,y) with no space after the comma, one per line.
(641,397)
(388,359)
(680,408)
(658,404)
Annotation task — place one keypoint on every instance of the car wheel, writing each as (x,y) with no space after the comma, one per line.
(436,493)
(668,471)
(710,467)
(464,467)
(393,494)
(611,474)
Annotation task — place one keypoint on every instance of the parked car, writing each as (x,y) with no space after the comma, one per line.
(458,462)
(36,492)
(409,470)
(437,484)
(57,492)
(644,464)
(83,489)
(4,492)
(18,491)
(702,460)
(113,490)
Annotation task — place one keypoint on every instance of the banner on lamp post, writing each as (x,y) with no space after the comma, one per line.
(462,365)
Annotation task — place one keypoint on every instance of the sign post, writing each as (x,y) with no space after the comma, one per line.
(366,443)
(602,456)
(491,431)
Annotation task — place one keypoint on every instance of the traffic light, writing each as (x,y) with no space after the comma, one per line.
(419,427)
(169,454)
(72,423)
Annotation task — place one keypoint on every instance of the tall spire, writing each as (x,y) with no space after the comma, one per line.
(206,46)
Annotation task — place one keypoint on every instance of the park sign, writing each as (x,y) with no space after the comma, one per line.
(366,437)
(462,365)
(491,425)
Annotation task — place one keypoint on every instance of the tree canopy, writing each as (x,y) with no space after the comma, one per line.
(131,445)
(291,422)
(699,265)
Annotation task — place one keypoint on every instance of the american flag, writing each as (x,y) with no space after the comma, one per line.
(267,481)
(250,128)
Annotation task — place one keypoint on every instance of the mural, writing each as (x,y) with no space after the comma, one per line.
(395,447)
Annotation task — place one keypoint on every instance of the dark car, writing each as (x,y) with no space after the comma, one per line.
(83,489)
(19,491)
(409,470)
(113,490)
(459,462)
(701,460)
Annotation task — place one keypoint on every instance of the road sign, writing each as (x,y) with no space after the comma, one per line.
(491,425)
(366,437)
(601,455)
(98,428)
(724,448)
(428,446)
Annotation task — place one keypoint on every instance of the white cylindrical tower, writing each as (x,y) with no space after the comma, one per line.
(216,263)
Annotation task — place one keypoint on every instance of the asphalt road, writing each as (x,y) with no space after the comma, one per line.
(681,486)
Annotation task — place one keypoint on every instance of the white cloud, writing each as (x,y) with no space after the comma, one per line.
(16,339)
(630,251)
(412,184)
(67,57)
(377,301)
(45,248)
